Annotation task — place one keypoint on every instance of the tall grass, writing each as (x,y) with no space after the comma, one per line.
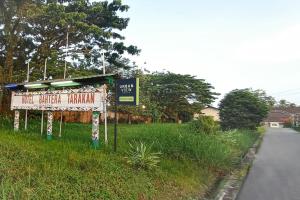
(67,168)
(219,150)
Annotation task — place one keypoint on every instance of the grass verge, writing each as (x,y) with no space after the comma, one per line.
(67,168)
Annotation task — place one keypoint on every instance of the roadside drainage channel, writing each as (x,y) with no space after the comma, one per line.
(230,186)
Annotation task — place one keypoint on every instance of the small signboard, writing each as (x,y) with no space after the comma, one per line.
(85,99)
(128,92)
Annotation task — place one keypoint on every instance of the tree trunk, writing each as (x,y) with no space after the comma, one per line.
(177,118)
(1,97)
(9,64)
(5,102)
(129,118)
(1,76)
(1,86)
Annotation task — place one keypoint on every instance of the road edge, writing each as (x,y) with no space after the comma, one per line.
(231,185)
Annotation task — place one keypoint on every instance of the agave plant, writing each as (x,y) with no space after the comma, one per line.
(142,157)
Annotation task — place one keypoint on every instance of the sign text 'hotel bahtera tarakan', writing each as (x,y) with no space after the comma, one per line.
(84,99)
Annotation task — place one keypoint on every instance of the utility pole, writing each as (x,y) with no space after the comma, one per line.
(26,111)
(105,102)
(65,74)
(42,120)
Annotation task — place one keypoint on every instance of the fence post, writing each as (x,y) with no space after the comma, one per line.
(95,130)
(17,120)
(49,125)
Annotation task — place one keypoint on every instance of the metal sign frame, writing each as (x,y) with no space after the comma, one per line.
(84,99)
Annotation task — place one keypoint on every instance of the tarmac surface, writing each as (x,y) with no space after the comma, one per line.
(275,174)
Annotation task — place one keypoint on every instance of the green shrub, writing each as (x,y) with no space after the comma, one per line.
(141,157)
(288,124)
(204,124)
(243,109)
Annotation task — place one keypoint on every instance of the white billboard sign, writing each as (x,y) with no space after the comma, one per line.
(85,99)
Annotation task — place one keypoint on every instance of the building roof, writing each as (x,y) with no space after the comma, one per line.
(278,116)
(86,80)
(212,107)
(291,110)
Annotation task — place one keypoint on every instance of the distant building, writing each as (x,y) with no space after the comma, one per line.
(278,117)
(209,111)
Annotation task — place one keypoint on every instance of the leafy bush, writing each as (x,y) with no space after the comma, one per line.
(141,157)
(288,124)
(242,109)
(204,124)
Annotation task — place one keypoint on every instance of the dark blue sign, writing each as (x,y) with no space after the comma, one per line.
(128,92)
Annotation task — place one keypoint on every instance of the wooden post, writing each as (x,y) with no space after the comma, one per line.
(95,130)
(17,120)
(49,125)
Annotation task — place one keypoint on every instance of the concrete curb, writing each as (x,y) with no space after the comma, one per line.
(234,182)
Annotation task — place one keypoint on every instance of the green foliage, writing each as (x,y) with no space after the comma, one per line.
(296,129)
(261,130)
(178,94)
(36,30)
(179,142)
(142,157)
(288,124)
(261,94)
(242,109)
(204,124)
(285,104)
(33,168)
(242,140)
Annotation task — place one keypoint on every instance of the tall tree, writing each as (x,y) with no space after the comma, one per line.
(13,16)
(269,100)
(285,104)
(242,109)
(175,95)
(37,30)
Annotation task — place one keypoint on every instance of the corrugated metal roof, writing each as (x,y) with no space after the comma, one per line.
(85,80)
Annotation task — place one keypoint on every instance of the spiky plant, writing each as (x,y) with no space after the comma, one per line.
(142,157)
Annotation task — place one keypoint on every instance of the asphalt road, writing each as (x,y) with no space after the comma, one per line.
(275,174)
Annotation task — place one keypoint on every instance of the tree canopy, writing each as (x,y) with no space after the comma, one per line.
(242,109)
(36,30)
(169,96)
(40,31)
(175,95)
(285,104)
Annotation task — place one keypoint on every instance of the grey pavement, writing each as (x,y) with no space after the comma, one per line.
(275,174)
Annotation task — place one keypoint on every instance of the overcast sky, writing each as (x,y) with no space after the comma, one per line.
(232,44)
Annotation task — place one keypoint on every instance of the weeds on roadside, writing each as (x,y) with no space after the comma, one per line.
(204,124)
(142,157)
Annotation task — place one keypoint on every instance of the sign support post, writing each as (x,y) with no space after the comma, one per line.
(49,125)
(17,120)
(95,130)
(126,93)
